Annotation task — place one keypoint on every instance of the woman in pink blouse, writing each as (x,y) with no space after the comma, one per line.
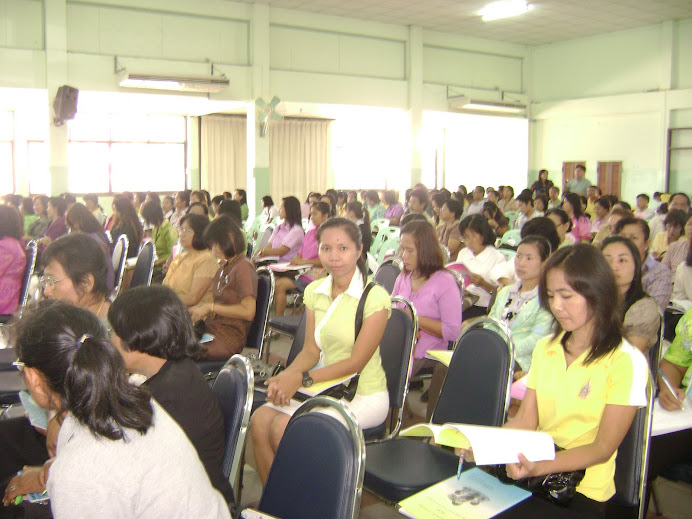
(432,290)
(287,238)
(308,255)
(581,225)
(12,260)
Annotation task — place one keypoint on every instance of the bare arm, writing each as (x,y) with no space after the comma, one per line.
(244,310)
(674,373)
(197,290)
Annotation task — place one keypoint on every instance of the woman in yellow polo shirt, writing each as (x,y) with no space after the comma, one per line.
(585,383)
(331,349)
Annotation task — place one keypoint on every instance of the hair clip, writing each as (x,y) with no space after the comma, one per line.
(82,339)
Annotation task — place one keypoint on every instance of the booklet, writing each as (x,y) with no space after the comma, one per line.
(316,388)
(287,267)
(665,422)
(475,495)
(443,356)
(491,445)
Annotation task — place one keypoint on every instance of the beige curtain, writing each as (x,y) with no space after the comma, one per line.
(298,157)
(223,153)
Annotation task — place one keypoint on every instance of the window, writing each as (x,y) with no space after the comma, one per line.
(115,153)
(6,154)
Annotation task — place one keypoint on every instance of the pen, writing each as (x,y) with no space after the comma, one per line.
(461,465)
(670,387)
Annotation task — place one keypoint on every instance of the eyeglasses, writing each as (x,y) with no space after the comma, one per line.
(19,365)
(184,230)
(49,281)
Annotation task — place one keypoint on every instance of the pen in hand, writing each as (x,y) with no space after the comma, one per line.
(670,388)
(460,467)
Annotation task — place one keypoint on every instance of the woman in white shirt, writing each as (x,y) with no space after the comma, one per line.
(269,210)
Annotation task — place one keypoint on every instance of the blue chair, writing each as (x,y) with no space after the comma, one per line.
(119,261)
(387,273)
(233,389)
(317,471)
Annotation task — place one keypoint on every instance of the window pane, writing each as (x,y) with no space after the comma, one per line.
(167,128)
(37,168)
(90,127)
(6,126)
(130,128)
(6,169)
(148,167)
(88,167)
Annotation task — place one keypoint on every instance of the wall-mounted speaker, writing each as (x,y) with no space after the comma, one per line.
(65,104)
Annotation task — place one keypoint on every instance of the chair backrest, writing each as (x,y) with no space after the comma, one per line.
(512,216)
(476,389)
(508,253)
(396,351)
(388,248)
(144,267)
(318,468)
(119,260)
(632,461)
(383,235)
(512,237)
(379,223)
(233,388)
(30,252)
(387,273)
(298,340)
(266,234)
(265,297)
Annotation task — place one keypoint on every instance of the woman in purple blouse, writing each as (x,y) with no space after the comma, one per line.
(287,238)
(56,212)
(432,290)
(394,209)
(12,260)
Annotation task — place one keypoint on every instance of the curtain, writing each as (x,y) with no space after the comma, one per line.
(223,153)
(298,157)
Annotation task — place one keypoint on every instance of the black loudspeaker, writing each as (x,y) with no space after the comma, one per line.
(65,104)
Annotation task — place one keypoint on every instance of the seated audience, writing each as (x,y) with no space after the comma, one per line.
(433,291)
(56,212)
(331,342)
(126,222)
(507,202)
(358,215)
(526,210)
(448,230)
(69,365)
(657,280)
(643,210)
(677,252)
(674,224)
(230,208)
(394,210)
(198,208)
(641,318)
(163,234)
(198,197)
(269,211)
(498,222)
(153,332)
(12,260)
(540,203)
(616,214)
(479,256)
(229,316)
(656,223)
(477,201)
(26,208)
(308,255)
(581,226)
(554,201)
(375,209)
(331,202)
(682,287)
(578,287)
(190,273)
(287,238)
(313,198)
(418,204)
(91,202)
(436,203)
(168,206)
(38,227)
(180,205)
(80,219)
(601,208)
(240,196)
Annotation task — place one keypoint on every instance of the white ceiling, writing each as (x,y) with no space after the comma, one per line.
(549,21)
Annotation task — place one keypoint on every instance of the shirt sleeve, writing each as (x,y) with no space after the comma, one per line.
(294,237)
(680,351)
(449,302)
(309,294)
(246,281)
(378,299)
(627,376)
(538,354)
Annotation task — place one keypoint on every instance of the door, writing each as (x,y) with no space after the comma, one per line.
(568,171)
(610,178)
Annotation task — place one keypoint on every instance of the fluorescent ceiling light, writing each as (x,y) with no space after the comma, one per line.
(504,9)
(206,84)
(466,103)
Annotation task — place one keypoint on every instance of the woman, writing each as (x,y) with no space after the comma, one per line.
(375,209)
(507,202)
(358,215)
(448,230)
(26,208)
(126,221)
(56,212)
(601,209)
(682,287)
(331,305)
(153,332)
(198,208)
(479,256)
(305,207)
(308,255)
(163,234)
(240,196)
(80,219)
(601,380)
(540,204)
(436,202)
(68,364)
(563,225)
(518,305)
(269,211)
(677,252)
(642,321)
(581,225)
(91,202)
(287,238)
(394,210)
(229,315)
(433,291)
(39,226)
(198,197)
(542,185)
(674,225)
(190,273)
(331,201)
(12,260)
(498,222)
(341,203)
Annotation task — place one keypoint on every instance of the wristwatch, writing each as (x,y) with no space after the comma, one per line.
(307,379)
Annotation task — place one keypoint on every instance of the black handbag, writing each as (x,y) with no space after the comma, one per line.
(558,488)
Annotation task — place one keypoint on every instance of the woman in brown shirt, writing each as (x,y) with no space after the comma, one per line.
(229,316)
(448,230)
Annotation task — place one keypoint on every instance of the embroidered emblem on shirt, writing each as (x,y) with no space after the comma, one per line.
(585,389)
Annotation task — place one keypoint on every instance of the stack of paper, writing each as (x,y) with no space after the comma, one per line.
(671,421)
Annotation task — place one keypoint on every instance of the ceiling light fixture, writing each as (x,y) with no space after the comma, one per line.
(504,9)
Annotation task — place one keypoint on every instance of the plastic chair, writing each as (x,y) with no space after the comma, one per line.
(387,273)
(508,253)
(511,237)
(388,248)
(382,236)
(512,216)
(476,391)
(144,266)
(233,388)
(119,259)
(317,471)
(379,223)
(265,235)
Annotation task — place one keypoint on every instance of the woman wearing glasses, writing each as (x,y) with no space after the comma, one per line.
(116,445)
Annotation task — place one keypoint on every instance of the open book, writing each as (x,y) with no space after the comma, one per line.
(491,445)
(443,356)
(316,388)
(665,422)
(287,267)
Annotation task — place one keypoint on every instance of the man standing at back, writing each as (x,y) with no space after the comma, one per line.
(578,184)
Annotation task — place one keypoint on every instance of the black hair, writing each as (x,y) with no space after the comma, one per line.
(428,250)
(153,197)
(412,217)
(541,243)
(478,224)
(153,320)
(226,233)
(440,199)
(27,205)
(268,201)
(480,189)
(184,196)
(579,166)
(44,202)
(315,194)
(544,227)
(217,199)
(604,202)
(70,348)
(204,207)
(354,233)
(360,212)
(69,198)
(59,204)
(390,197)
(91,197)
(332,203)
(421,195)
(511,189)
(79,255)
(623,204)
(292,210)
(636,290)
(78,215)
(372,195)
(230,208)
(128,216)
(676,217)
(644,196)
(562,215)
(152,213)
(12,199)
(199,194)
(526,198)
(322,207)
(588,273)
(575,201)
(198,224)
(11,222)
(687,198)
(455,207)
(243,196)
(631,220)
(543,199)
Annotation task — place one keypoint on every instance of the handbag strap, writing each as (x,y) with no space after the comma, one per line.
(353,385)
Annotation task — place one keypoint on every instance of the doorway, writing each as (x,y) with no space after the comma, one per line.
(610,177)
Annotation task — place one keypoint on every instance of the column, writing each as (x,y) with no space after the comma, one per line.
(415,100)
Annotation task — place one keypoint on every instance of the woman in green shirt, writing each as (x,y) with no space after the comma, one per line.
(163,234)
